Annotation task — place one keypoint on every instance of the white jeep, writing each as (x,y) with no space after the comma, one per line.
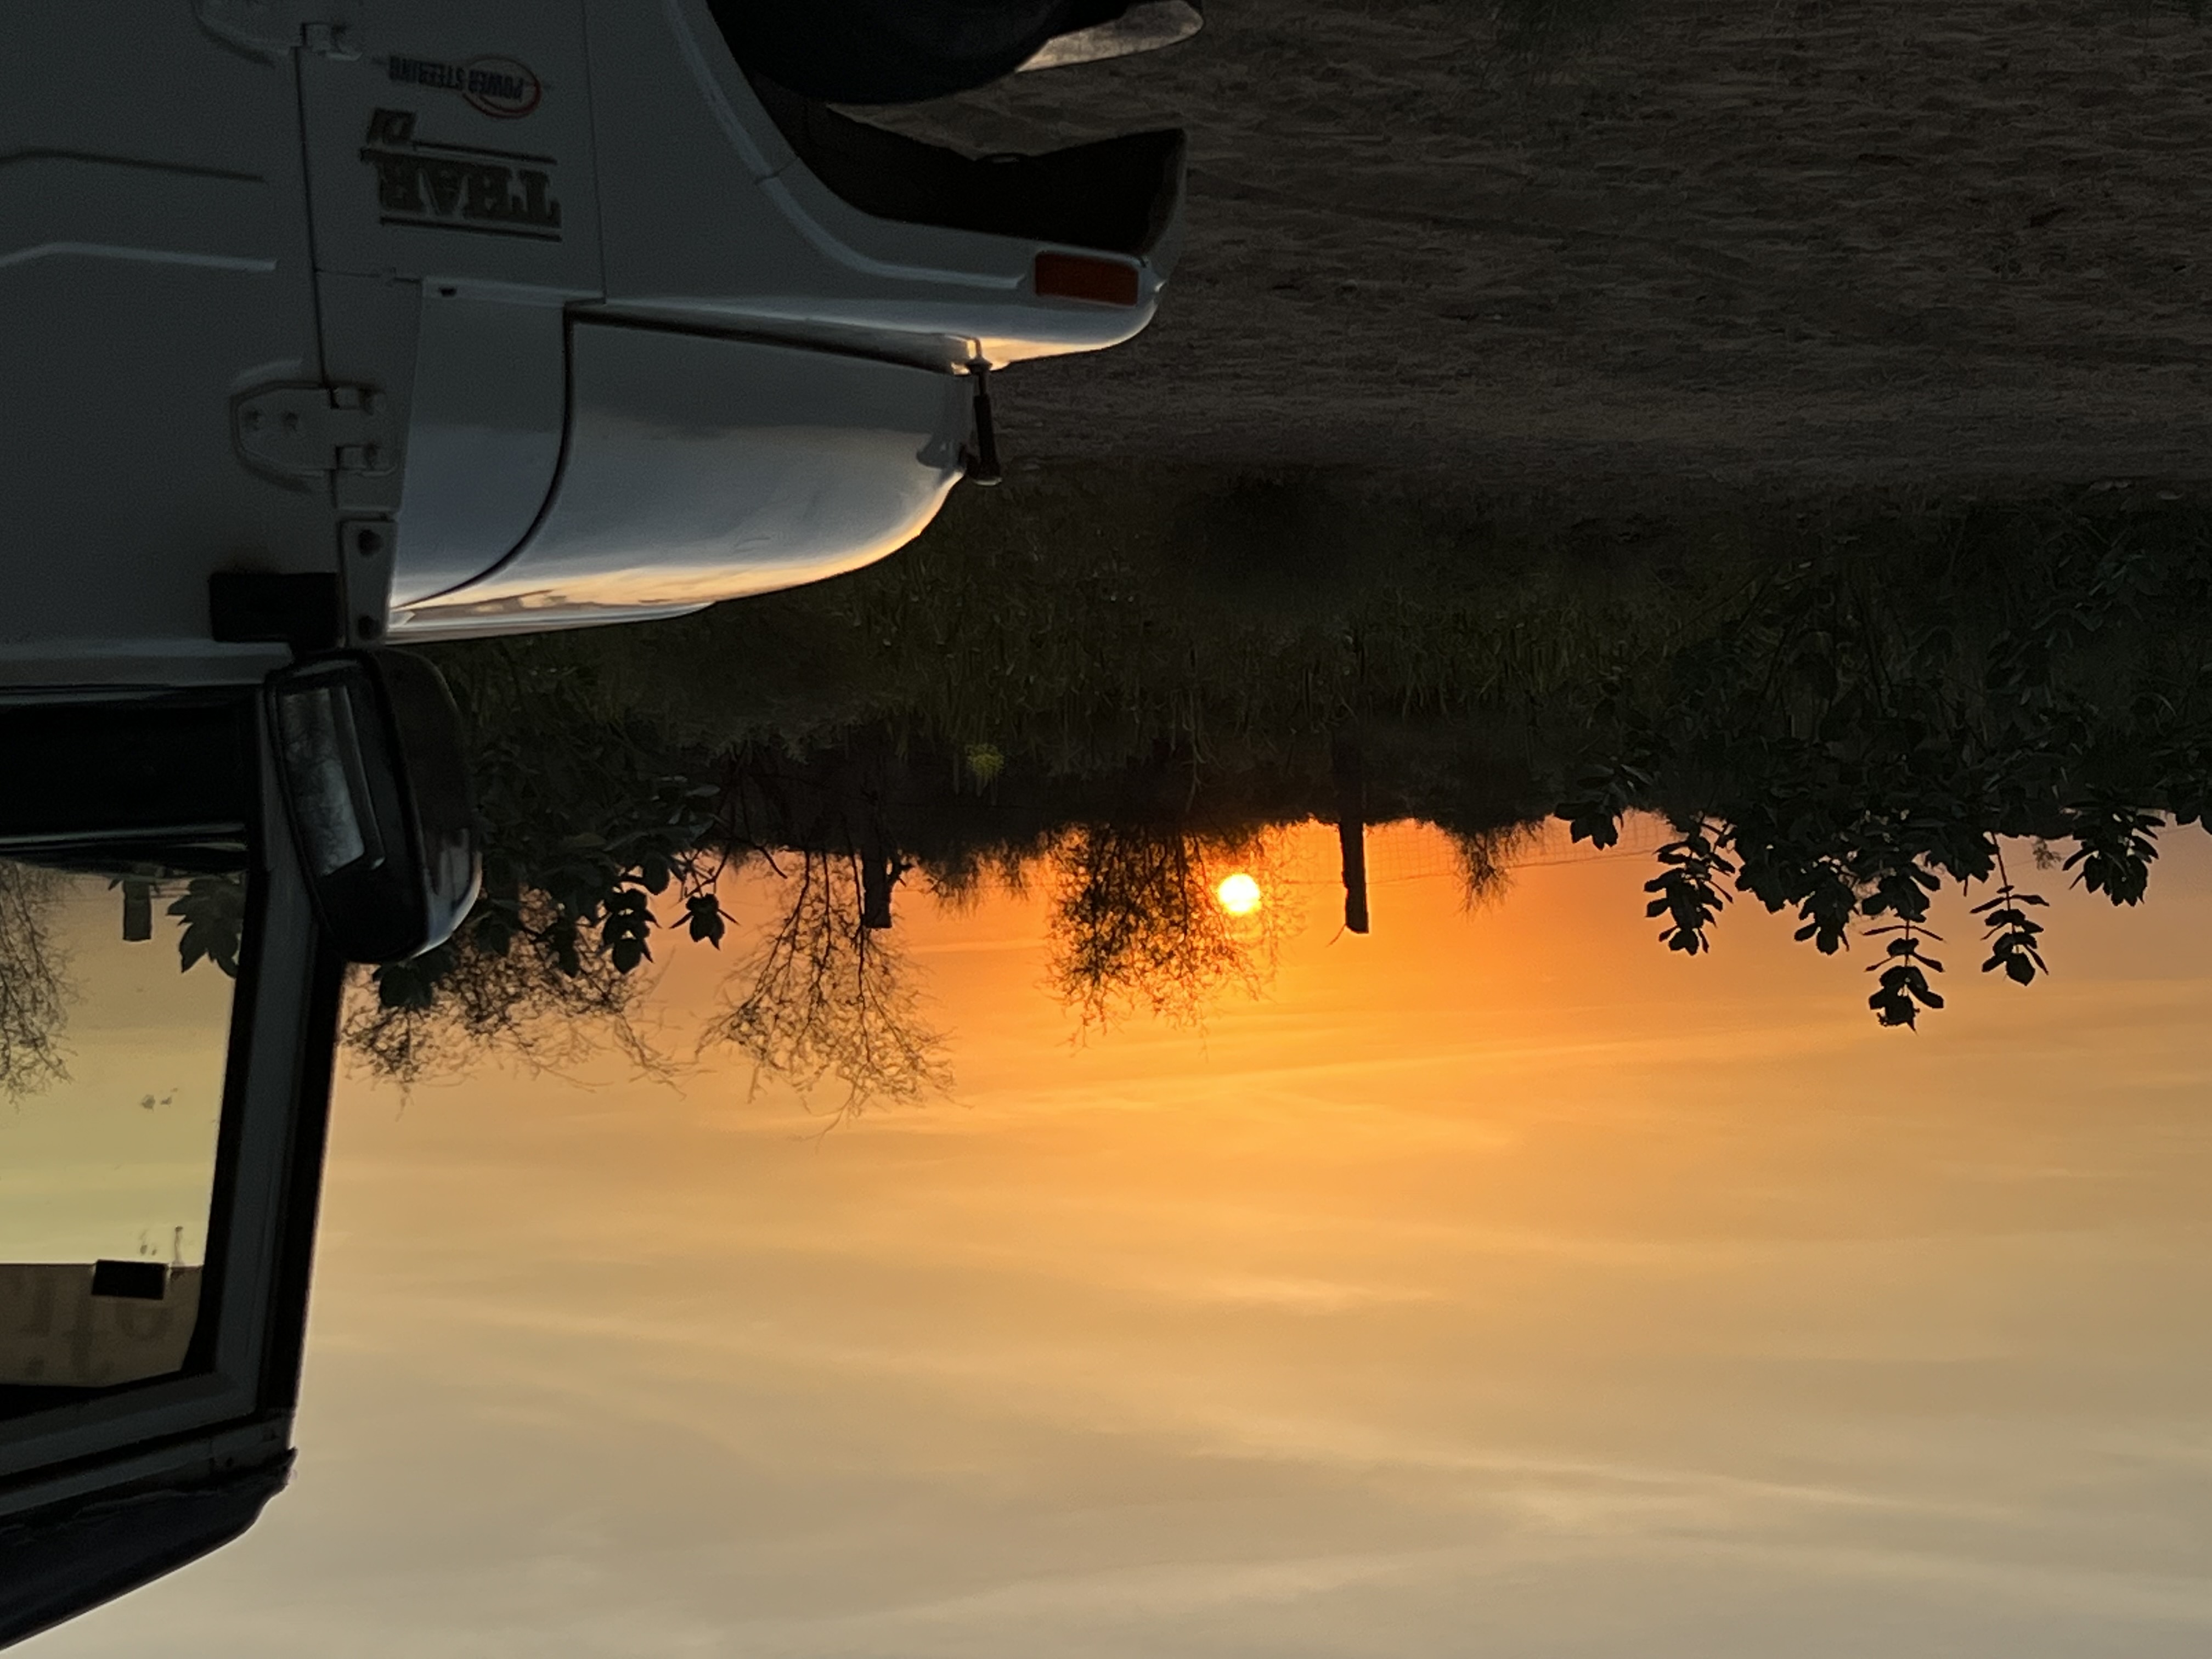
(326,324)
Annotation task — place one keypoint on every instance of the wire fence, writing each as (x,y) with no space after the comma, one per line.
(1410,850)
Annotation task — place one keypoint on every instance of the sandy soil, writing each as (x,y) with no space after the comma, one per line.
(1828,245)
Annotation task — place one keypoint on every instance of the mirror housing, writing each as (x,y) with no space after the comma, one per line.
(375,777)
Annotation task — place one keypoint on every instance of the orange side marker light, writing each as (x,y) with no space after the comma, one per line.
(1079,276)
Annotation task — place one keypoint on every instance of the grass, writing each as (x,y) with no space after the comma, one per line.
(1077,625)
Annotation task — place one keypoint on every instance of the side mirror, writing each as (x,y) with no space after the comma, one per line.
(375,777)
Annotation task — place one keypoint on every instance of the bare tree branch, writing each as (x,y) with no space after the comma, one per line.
(35,993)
(827,998)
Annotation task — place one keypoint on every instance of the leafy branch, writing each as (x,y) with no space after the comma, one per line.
(1903,989)
(2010,933)
(1690,895)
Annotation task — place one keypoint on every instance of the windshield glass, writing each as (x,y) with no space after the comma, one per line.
(112,1065)
(122,917)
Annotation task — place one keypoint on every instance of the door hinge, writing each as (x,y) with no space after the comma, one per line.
(367,550)
(299,433)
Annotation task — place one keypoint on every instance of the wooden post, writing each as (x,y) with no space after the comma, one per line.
(1351,828)
(878,874)
(862,794)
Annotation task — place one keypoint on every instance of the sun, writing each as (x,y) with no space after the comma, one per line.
(1239,894)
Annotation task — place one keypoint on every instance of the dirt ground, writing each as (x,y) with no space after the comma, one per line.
(1863,243)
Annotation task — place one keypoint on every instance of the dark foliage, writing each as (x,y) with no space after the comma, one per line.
(1841,710)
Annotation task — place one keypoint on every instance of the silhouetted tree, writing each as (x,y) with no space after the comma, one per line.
(516,994)
(593,840)
(1871,727)
(1840,711)
(1136,923)
(824,996)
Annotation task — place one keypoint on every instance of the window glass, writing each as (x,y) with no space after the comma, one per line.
(117,975)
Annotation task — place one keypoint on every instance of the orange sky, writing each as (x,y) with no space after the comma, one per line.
(1497,1283)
